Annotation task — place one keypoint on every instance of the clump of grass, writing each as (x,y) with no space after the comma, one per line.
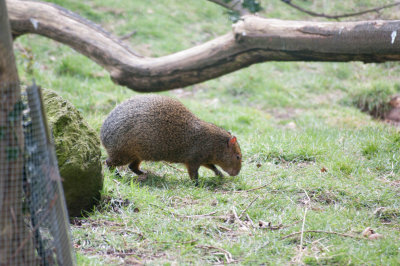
(374,100)
(76,65)
(387,214)
(370,149)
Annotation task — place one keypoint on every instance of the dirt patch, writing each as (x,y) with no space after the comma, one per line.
(319,196)
(284,113)
(111,10)
(131,256)
(328,98)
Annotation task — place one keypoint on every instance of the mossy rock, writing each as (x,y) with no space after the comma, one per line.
(78,154)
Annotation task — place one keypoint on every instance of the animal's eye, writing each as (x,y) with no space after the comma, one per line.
(238,157)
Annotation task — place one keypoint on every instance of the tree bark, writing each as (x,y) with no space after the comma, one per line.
(16,247)
(252,40)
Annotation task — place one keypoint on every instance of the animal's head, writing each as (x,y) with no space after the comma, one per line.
(232,157)
(395,101)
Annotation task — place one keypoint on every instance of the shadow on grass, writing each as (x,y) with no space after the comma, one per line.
(156,180)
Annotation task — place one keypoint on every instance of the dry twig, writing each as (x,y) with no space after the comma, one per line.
(227,254)
(315,14)
(170,165)
(236,216)
(248,206)
(250,220)
(176,242)
(206,215)
(128,35)
(267,225)
(321,231)
(197,216)
(304,220)
(243,225)
(224,228)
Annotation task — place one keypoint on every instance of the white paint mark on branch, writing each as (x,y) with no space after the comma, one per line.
(394,34)
(34,22)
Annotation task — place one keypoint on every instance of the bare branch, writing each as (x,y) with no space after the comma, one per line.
(252,40)
(315,14)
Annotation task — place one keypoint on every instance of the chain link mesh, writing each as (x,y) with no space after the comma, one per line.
(34,228)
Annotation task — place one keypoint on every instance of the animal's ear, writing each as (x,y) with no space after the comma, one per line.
(232,141)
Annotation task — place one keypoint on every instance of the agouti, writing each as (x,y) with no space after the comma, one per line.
(159,128)
(393,116)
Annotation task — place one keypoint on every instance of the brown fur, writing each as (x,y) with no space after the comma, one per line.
(394,114)
(158,128)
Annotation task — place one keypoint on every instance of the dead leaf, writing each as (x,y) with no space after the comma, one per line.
(263,224)
(324,170)
(368,231)
(258,165)
(291,125)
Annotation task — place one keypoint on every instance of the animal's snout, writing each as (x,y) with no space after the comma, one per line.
(233,172)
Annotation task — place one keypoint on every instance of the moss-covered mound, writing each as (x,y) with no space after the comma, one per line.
(78,153)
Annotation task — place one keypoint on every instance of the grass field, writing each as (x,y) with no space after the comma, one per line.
(311,159)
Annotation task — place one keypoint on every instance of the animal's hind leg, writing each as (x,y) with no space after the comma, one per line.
(134,166)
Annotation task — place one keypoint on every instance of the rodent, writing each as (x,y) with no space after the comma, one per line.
(394,114)
(159,128)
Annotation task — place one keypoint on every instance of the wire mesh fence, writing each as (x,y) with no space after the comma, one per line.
(34,228)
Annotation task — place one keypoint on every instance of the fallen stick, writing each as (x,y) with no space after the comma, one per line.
(321,231)
(227,254)
(197,216)
(267,225)
(248,206)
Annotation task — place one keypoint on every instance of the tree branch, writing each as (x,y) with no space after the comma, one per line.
(315,14)
(252,40)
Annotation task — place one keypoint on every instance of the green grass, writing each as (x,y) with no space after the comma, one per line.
(301,135)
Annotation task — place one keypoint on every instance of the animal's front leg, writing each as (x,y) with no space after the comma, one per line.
(193,170)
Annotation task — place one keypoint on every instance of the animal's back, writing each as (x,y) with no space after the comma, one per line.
(151,127)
